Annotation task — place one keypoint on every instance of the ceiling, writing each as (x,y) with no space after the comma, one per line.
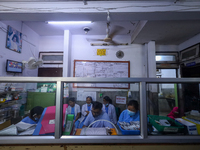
(162,27)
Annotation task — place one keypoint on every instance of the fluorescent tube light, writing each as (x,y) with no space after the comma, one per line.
(69,22)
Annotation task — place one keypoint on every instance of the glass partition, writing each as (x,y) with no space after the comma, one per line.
(25,108)
(149,123)
(112,109)
(173,109)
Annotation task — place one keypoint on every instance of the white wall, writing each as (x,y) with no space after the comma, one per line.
(81,50)
(167,48)
(51,43)
(29,47)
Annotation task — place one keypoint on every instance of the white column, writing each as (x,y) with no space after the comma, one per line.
(67,54)
(151,68)
(151,50)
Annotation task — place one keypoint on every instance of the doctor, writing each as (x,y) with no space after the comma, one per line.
(74,109)
(131,113)
(34,116)
(96,114)
(86,108)
(109,109)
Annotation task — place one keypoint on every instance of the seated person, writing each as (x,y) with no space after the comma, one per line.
(86,108)
(174,113)
(34,116)
(131,113)
(109,108)
(96,114)
(74,109)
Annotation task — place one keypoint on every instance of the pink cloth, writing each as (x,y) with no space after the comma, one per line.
(172,114)
(48,127)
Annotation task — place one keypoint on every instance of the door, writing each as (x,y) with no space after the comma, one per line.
(50,72)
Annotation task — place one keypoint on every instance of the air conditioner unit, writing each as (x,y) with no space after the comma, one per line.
(189,53)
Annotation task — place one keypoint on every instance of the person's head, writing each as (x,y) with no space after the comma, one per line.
(36,113)
(107,100)
(96,109)
(71,101)
(175,110)
(132,107)
(15,38)
(89,100)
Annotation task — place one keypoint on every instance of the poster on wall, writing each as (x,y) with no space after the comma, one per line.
(120,100)
(14,40)
(82,95)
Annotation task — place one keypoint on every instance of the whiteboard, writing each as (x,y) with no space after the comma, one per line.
(81,95)
(102,69)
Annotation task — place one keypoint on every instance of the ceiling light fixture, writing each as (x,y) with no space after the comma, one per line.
(69,22)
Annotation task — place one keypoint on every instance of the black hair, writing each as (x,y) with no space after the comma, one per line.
(15,36)
(133,103)
(72,99)
(97,105)
(37,110)
(108,99)
(89,98)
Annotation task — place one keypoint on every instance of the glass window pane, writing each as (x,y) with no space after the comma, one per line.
(25,107)
(165,58)
(52,57)
(173,109)
(83,112)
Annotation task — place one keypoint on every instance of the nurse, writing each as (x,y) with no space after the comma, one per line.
(34,116)
(86,108)
(131,113)
(97,114)
(109,109)
(74,109)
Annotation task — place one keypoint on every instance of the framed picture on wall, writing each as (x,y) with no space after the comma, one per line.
(14,40)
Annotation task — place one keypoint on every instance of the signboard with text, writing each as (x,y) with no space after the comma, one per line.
(120,100)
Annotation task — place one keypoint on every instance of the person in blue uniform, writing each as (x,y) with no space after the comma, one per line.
(131,113)
(34,116)
(97,114)
(74,109)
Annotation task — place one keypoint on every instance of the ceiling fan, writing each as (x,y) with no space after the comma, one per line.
(109,35)
(32,63)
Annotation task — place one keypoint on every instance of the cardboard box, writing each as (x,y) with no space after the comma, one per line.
(191,127)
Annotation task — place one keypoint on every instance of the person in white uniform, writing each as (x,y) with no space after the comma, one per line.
(86,108)
(74,109)
(109,108)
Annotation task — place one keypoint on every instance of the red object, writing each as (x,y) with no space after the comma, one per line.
(172,114)
(47,122)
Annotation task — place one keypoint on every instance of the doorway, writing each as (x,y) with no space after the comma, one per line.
(50,72)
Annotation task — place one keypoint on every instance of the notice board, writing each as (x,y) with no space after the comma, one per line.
(101,69)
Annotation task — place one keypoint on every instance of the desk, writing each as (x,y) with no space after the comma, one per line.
(113,131)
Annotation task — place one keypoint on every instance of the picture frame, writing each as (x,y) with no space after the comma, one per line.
(51,57)
(14,40)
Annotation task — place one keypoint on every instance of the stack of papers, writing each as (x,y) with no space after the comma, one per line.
(94,131)
(11,130)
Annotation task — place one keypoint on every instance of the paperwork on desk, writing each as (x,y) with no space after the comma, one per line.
(20,128)
(94,131)
(11,130)
(133,125)
(29,131)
